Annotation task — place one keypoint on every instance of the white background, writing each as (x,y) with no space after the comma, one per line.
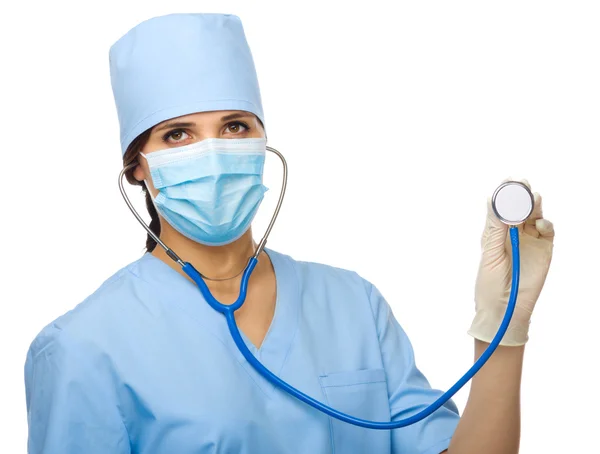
(398,119)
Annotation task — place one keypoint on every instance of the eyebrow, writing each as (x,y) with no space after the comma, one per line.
(235,115)
(187,124)
(176,124)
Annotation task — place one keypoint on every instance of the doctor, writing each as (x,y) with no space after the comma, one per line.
(144,365)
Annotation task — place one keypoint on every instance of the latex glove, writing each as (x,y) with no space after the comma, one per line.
(494,277)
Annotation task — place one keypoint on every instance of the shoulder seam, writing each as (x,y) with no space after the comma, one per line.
(58,330)
(61,334)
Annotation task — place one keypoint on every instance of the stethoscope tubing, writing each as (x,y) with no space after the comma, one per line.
(229,312)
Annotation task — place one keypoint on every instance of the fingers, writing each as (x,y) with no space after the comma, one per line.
(545,228)
(525,182)
(531,230)
(535,225)
(522,180)
(537,212)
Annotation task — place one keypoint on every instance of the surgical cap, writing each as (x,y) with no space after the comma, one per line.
(178,64)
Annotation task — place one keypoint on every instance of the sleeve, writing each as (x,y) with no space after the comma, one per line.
(71,405)
(408,389)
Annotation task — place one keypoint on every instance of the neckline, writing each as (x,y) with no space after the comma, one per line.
(251,346)
(278,340)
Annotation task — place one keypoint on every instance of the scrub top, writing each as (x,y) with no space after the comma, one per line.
(144,365)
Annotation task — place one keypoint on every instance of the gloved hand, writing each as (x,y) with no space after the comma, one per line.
(494,277)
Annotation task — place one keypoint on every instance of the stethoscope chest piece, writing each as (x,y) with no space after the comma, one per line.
(512,202)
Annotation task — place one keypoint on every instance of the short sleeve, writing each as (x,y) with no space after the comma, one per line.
(408,389)
(71,405)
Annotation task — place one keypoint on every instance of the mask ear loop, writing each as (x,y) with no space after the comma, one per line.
(170,252)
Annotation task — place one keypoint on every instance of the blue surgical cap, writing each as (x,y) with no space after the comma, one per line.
(179,64)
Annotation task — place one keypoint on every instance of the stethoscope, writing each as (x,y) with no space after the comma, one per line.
(512,203)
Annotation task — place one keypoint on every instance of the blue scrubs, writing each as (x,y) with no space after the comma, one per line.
(145,366)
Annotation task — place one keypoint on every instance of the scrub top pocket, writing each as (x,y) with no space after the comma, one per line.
(363,394)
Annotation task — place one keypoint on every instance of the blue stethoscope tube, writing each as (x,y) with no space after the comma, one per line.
(229,310)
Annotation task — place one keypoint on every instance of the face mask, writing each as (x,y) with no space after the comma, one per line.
(210,190)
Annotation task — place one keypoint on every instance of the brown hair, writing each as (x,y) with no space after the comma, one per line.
(131,155)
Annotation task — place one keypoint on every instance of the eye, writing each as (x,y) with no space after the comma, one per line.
(178,135)
(235,127)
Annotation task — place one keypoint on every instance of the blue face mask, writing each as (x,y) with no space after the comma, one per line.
(210,190)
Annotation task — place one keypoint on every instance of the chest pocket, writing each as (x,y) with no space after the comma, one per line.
(363,394)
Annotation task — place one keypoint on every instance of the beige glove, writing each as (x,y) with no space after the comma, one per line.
(494,277)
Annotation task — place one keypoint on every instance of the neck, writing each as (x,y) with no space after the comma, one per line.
(214,262)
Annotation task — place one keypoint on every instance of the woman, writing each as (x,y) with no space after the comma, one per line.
(145,365)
